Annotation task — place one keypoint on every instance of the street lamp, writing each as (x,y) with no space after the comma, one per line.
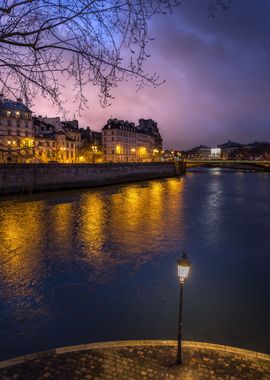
(183,266)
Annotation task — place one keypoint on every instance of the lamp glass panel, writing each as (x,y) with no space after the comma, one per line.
(183,271)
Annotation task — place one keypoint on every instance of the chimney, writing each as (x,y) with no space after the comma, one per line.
(19,100)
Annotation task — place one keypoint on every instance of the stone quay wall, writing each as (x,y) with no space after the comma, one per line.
(28,178)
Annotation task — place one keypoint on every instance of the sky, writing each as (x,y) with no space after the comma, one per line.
(217,73)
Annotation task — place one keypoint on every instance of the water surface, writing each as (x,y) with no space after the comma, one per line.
(100,264)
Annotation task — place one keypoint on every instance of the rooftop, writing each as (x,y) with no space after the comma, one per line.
(12,105)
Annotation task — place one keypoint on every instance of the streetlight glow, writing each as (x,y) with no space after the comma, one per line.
(183,266)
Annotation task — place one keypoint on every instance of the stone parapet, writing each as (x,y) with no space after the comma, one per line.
(28,178)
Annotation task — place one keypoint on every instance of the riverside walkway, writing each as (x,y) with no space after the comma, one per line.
(132,360)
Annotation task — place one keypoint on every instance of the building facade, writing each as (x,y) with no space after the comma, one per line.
(123,142)
(91,146)
(150,126)
(57,141)
(16,131)
(229,149)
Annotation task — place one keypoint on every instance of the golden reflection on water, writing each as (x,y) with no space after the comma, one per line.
(60,217)
(21,248)
(20,239)
(92,224)
(103,228)
(142,215)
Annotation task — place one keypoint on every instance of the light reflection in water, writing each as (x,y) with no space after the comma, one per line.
(32,231)
(21,247)
(60,220)
(92,228)
(141,215)
(21,233)
(71,259)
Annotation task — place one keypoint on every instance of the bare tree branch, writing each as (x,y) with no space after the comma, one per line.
(45,42)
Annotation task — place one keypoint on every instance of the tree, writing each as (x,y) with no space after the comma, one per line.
(45,42)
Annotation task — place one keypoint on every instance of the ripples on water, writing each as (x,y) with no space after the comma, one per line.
(81,266)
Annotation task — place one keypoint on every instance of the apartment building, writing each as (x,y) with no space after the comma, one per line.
(123,142)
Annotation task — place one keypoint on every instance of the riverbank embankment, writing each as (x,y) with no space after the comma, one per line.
(30,178)
(153,360)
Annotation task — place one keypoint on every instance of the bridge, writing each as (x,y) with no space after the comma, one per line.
(230,164)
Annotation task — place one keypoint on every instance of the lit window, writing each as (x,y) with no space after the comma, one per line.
(17,114)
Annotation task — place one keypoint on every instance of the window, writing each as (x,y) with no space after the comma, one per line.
(112,138)
(18,123)
(9,132)
(17,114)
(112,151)
(26,124)
(9,122)
(71,145)
(71,154)
(18,133)
(8,113)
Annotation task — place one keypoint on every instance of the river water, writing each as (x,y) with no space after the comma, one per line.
(100,264)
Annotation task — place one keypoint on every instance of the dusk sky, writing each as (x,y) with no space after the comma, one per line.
(217,73)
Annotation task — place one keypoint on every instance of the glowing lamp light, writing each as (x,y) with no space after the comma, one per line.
(183,267)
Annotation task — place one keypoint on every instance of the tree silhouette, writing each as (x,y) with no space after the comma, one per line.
(44,43)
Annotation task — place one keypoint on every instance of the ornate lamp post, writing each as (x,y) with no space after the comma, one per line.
(183,266)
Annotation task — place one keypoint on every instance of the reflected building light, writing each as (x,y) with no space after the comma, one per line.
(92,229)
(21,233)
(61,215)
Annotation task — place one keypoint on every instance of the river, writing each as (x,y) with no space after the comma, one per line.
(100,264)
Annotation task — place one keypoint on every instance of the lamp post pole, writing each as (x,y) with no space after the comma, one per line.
(183,266)
(179,346)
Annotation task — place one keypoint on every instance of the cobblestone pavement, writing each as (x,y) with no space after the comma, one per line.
(149,362)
